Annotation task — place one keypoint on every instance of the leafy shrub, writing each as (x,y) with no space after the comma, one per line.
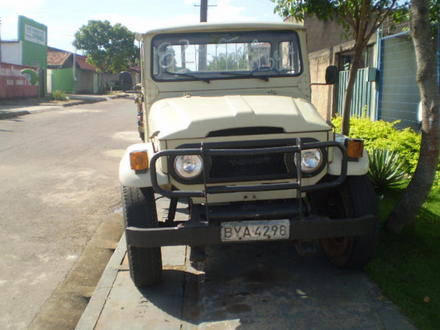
(436,184)
(386,170)
(383,135)
(59,95)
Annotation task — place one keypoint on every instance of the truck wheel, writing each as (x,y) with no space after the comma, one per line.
(139,209)
(356,197)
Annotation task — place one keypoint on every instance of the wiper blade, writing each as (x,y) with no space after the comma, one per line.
(245,75)
(188,74)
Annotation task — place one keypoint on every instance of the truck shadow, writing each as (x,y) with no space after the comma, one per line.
(268,286)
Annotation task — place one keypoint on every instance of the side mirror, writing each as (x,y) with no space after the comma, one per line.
(331,75)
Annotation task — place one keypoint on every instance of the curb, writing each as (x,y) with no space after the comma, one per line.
(13,114)
(18,113)
(94,308)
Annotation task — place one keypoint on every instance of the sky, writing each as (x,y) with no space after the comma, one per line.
(64,18)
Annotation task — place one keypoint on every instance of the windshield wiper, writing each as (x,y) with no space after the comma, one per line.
(245,75)
(188,74)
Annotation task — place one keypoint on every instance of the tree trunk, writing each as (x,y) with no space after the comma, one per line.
(358,49)
(407,208)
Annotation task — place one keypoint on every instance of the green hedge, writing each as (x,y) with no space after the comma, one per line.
(383,135)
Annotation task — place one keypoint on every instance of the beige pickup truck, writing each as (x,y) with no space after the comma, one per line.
(228,128)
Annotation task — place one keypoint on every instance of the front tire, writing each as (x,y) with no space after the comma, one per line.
(139,209)
(354,198)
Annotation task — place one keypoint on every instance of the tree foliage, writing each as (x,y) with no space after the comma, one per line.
(434,12)
(351,14)
(223,62)
(109,47)
(360,19)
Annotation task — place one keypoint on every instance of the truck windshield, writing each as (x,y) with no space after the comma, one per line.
(207,56)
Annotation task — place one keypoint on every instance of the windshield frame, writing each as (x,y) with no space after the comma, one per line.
(263,36)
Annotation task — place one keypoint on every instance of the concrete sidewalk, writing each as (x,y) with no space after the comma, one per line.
(249,286)
(12,110)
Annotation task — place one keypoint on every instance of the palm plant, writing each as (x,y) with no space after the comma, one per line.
(386,169)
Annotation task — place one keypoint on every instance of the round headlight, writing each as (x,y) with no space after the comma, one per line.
(311,160)
(188,166)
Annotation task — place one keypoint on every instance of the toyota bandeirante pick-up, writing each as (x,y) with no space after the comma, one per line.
(228,128)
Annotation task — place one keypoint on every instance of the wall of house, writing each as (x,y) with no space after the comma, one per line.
(11,52)
(399,94)
(98,86)
(321,34)
(14,83)
(109,80)
(87,82)
(84,81)
(322,95)
(49,81)
(135,77)
(62,79)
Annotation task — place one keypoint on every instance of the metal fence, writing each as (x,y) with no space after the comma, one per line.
(398,89)
(396,96)
(362,103)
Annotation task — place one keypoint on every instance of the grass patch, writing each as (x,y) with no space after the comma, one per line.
(407,266)
(59,95)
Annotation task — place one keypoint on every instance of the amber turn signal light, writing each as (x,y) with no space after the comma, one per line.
(139,160)
(355,148)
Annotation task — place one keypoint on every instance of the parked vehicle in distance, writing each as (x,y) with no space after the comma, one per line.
(228,127)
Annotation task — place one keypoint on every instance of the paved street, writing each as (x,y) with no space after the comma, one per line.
(59,183)
(60,191)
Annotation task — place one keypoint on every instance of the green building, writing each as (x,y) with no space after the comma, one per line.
(32,37)
(70,73)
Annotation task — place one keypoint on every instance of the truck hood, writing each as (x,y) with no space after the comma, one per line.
(197,116)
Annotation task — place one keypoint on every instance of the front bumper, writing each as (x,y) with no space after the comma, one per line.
(313,227)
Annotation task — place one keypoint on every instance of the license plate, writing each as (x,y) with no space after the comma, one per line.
(255,230)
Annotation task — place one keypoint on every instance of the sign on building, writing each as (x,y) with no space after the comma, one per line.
(35,35)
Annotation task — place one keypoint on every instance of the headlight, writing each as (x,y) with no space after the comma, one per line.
(311,160)
(188,166)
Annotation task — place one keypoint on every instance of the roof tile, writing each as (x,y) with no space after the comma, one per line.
(55,57)
(82,63)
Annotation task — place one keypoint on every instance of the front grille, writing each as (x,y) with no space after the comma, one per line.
(227,168)
(244,168)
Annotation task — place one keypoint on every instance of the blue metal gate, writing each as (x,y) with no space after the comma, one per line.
(362,103)
(399,92)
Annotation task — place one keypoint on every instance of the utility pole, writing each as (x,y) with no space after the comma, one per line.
(202,48)
(0,39)
(203,10)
